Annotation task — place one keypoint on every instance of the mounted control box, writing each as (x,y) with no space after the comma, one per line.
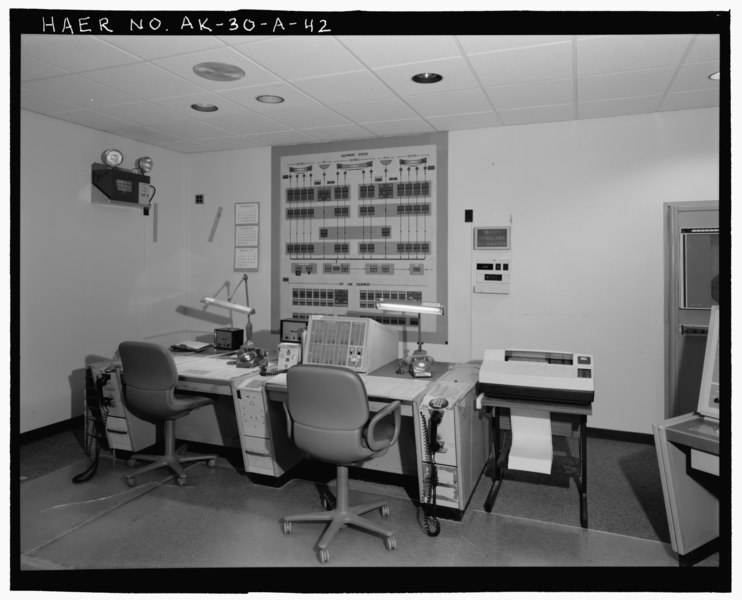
(491,260)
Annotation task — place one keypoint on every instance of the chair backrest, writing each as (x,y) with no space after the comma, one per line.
(150,375)
(329,410)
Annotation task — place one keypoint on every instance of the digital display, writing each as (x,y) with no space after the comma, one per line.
(491,237)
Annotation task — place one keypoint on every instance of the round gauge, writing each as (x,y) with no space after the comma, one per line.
(112,157)
(144,164)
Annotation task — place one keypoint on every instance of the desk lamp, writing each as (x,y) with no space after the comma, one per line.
(229,305)
(420,361)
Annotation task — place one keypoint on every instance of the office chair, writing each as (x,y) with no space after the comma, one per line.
(329,420)
(150,376)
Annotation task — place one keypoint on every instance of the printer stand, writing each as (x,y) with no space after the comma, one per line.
(565,419)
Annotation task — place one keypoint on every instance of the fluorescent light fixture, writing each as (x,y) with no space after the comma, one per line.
(229,305)
(420,308)
(419,362)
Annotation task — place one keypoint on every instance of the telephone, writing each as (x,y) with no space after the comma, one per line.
(249,357)
(418,365)
(431,445)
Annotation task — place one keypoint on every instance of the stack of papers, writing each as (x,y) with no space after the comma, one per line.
(190,346)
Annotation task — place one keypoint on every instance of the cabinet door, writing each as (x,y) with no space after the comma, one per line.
(692,261)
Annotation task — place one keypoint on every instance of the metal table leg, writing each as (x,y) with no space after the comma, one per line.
(583,471)
(498,472)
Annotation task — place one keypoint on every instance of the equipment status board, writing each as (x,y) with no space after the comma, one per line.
(357,227)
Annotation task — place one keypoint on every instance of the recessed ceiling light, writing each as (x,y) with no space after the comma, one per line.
(217,71)
(716,75)
(427,78)
(202,107)
(269,99)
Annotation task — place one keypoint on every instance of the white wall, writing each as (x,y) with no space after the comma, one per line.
(90,275)
(227,178)
(586,202)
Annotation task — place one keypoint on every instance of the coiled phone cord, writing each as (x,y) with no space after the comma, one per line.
(99,433)
(431,525)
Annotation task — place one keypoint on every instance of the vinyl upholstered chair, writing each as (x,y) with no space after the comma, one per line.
(150,376)
(329,420)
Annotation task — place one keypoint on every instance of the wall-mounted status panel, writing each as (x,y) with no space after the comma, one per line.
(357,227)
(491,260)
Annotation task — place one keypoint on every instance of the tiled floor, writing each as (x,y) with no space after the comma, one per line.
(220,519)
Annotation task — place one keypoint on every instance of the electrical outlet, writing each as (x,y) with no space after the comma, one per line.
(199,198)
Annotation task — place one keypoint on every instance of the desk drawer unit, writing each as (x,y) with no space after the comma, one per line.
(124,430)
(266,448)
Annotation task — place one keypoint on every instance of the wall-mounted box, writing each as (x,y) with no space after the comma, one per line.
(112,185)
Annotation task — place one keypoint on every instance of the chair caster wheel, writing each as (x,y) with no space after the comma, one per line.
(286,526)
(211,463)
(131,481)
(323,555)
(390,543)
(180,481)
(326,503)
(384,511)
(131,462)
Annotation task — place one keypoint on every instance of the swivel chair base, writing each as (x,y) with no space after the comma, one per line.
(343,515)
(170,459)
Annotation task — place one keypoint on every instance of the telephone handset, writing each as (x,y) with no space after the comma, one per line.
(438,405)
(250,357)
(431,445)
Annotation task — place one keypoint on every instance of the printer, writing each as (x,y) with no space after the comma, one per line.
(537,375)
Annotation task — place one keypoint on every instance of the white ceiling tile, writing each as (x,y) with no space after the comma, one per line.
(148,47)
(344,87)
(183,67)
(92,119)
(536,114)
(455,71)
(283,138)
(248,124)
(146,134)
(386,109)
(524,64)
(79,91)
(617,107)
(293,98)
(624,84)
(399,127)
(474,44)
(532,93)
(145,81)
(191,130)
(236,142)
(300,57)
(695,76)
(313,116)
(627,52)
(450,103)
(143,113)
(705,48)
(182,105)
(32,68)
(465,121)
(688,100)
(337,132)
(75,53)
(186,146)
(389,50)
(41,103)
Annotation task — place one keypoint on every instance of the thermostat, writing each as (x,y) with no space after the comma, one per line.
(491,238)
